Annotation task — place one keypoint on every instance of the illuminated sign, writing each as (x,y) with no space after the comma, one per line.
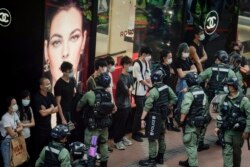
(5,17)
(211,22)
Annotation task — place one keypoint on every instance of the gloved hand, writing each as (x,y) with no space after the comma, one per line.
(181,124)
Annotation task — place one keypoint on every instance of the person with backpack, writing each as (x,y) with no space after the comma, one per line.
(98,109)
(142,82)
(55,153)
(233,122)
(161,97)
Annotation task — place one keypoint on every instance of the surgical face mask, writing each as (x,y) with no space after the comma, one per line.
(25,102)
(170,61)
(148,58)
(71,74)
(112,68)
(48,87)
(225,89)
(130,69)
(202,37)
(105,69)
(15,107)
(185,55)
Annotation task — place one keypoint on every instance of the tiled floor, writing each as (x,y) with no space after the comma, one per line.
(175,152)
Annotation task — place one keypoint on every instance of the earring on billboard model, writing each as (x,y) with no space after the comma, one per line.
(46,66)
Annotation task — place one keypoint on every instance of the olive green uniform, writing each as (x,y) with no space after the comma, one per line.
(191,133)
(63,157)
(102,134)
(153,96)
(233,139)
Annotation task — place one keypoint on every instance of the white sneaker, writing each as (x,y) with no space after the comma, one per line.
(126,141)
(120,146)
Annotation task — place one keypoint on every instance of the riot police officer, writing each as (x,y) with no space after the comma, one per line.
(55,154)
(233,123)
(78,152)
(235,62)
(161,97)
(194,116)
(216,75)
(98,109)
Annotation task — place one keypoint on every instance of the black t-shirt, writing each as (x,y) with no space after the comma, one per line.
(66,91)
(185,65)
(122,87)
(43,123)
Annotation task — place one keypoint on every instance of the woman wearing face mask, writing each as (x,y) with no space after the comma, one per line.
(65,39)
(11,128)
(166,61)
(26,116)
(183,65)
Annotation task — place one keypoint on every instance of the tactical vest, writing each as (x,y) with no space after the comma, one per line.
(100,113)
(157,113)
(51,155)
(160,105)
(219,75)
(232,117)
(196,116)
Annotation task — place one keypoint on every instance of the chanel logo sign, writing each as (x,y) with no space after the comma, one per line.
(211,22)
(5,17)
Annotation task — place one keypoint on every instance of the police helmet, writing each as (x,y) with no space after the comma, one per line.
(158,75)
(60,131)
(233,82)
(192,79)
(222,56)
(103,80)
(235,58)
(77,148)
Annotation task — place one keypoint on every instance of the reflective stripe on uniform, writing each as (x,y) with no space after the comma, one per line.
(162,88)
(53,150)
(220,69)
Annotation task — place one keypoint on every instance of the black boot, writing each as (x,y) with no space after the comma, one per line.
(159,159)
(202,146)
(184,163)
(172,128)
(103,163)
(148,162)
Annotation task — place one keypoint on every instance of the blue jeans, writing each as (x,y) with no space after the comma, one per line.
(181,84)
(5,150)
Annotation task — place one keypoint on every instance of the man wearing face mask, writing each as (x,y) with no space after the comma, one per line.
(123,102)
(44,105)
(101,66)
(196,48)
(233,122)
(64,92)
(142,82)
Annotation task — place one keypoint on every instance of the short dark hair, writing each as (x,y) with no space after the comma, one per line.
(65,66)
(126,60)
(110,60)
(100,62)
(25,93)
(196,30)
(146,50)
(163,54)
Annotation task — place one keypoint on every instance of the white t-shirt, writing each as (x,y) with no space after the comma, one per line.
(140,89)
(9,120)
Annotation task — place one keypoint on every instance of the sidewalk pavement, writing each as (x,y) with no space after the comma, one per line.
(175,152)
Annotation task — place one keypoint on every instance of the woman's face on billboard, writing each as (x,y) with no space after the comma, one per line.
(66,40)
